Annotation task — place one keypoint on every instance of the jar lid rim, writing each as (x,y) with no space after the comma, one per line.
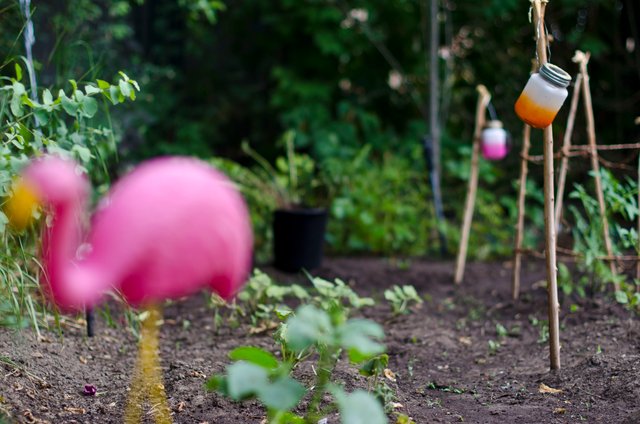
(555,75)
(494,123)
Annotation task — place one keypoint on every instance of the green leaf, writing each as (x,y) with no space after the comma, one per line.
(125,88)
(103,85)
(78,96)
(218,383)
(404,419)
(359,407)
(374,366)
(90,89)
(283,394)
(4,221)
(47,98)
(309,326)
(501,330)
(254,355)
(283,312)
(356,336)
(18,72)
(17,99)
(411,293)
(245,380)
(299,292)
(89,106)
(621,297)
(25,132)
(28,102)
(42,115)
(70,106)
(114,94)
(16,143)
(83,153)
(287,418)
(77,138)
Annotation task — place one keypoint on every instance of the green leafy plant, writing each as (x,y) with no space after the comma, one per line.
(401,297)
(336,295)
(264,301)
(494,346)
(543,328)
(59,124)
(19,286)
(380,204)
(293,181)
(203,8)
(258,374)
(622,212)
(377,373)
(262,298)
(63,121)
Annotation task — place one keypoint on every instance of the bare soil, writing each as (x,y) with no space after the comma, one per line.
(446,370)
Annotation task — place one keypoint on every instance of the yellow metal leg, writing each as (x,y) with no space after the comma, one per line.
(147,377)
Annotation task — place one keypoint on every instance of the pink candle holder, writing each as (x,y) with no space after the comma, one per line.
(493,141)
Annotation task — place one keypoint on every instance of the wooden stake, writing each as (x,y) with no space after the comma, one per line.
(550,244)
(566,145)
(638,262)
(549,225)
(522,193)
(583,59)
(483,100)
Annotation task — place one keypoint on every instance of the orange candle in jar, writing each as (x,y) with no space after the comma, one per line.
(543,96)
(533,113)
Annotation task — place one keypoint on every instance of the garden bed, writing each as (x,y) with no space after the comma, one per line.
(467,354)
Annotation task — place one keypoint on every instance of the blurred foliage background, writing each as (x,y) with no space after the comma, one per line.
(350,78)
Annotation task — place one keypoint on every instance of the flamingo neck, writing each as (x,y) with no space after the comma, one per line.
(61,239)
(70,282)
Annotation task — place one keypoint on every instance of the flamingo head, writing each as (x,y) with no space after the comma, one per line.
(50,181)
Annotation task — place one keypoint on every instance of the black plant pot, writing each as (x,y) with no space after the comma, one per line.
(298,238)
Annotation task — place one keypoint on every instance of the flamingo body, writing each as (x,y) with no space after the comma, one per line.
(169,228)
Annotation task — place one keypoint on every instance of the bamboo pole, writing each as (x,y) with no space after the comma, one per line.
(539,8)
(638,248)
(566,145)
(583,60)
(483,100)
(522,193)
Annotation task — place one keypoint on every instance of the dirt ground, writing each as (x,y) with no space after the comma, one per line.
(446,369)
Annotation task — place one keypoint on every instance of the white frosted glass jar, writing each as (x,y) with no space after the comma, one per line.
(494,141)
(543,96)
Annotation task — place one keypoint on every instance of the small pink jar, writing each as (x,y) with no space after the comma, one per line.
(494,141)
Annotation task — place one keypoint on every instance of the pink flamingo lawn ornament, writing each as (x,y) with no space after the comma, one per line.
(171,227)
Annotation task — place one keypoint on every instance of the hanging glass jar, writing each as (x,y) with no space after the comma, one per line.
(543,96)
(494,141)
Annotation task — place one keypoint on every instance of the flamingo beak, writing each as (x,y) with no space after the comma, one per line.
(21,205)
